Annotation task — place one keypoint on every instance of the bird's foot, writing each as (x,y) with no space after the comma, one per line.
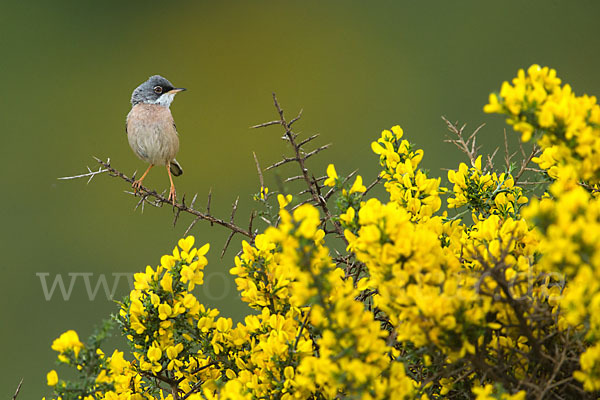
(172,195)
(136,185)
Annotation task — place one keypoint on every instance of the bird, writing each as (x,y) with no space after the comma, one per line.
(151,130)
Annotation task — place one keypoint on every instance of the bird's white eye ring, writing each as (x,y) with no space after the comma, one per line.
(158,89)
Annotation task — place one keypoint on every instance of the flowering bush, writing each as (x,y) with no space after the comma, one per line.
(422,304)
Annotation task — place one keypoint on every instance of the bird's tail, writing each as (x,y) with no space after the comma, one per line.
(175,168)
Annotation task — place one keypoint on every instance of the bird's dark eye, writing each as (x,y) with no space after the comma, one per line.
(158,89)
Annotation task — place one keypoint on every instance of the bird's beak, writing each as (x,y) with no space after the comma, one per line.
(176,90)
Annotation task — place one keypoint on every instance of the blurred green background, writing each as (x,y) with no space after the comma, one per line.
(355,67)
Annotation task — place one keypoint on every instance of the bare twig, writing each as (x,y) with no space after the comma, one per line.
(507,156)
(490,160)
(372,185)
(468,146)
(525,162)
(233,210)
(280,163)
(346,179)
(298,177)
(308,139)
(260,175)
(296,118)
(312,153)
(227,243)
(18,389)
(266,124)
(91,174)
(252,215)
(189,228)
(302,203)
(178,211)
(193,200)
(208,203)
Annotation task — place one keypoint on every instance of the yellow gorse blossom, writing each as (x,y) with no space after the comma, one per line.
(68,341)
(568,125)
(332,176)
(284,200)
(407,185)
(52,378)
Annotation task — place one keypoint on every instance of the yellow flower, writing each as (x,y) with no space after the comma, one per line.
(68,341)
(164,311)
(52,378)
(103,377)
(187,243)
(117,363)
(173,351)
(284,200)
(398,132)
(224,324)
(167,282)
(288,372)
(154,353)
(263,192)
(332,176)
(348,216)
(493,105)
(358,186)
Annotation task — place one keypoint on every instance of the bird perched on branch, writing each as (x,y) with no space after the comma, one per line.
(151,129)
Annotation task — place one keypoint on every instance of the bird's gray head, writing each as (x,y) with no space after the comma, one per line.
(156,90)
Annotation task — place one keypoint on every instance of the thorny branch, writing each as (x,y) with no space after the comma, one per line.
(156,199)
(469,147)
(525,160)
(313,185)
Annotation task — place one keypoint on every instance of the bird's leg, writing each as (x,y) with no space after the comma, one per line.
(138,184)
(172,190)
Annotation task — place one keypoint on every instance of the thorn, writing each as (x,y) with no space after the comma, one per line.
(312,153)
(302,203)
(350,175)
(193,200)
(208,203)
(279,163)
(189,228)
(260,175)
(227,243)
(264,124)
(375,182)
(139,203)
(18,389)
(296,118)
(176,217)
(234,209)
(308,139)
(252,214)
